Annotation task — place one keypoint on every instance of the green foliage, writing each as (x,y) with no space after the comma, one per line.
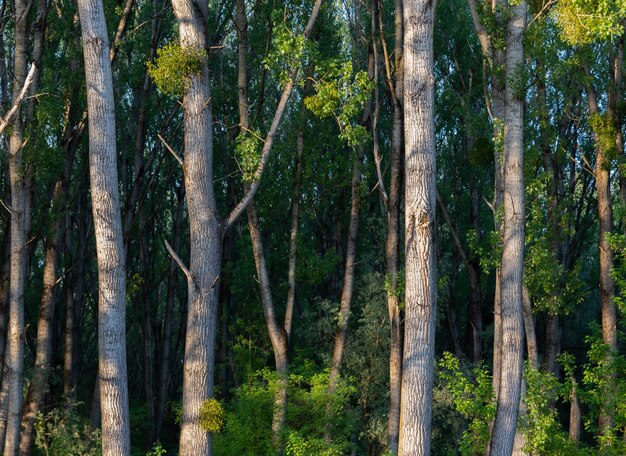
(212,415)
(587,21)
(604,128)
(473,398)
(287,51)
(540,425)
(63,432)
(481,152)
(342,95)
(157,450)
(311,410)
(604,380)
(554,289)
(491,255)
(617,241)
(174,67)
(248,150)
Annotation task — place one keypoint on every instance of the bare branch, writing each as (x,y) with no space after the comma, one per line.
(178,261)
(171,151)
(8,118)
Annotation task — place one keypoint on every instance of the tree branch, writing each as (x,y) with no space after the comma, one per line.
(8,118)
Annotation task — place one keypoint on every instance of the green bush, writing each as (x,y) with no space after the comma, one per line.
(311,412)
(63,432)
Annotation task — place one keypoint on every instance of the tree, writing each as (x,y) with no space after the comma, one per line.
(19,212)
(108,230)
(512,265)
(420,206)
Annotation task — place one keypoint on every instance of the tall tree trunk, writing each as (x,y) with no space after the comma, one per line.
(605,219)
(15,341)
(494,61)
(421,273)
(43,359)
(205,237)
(341,335)
(108,230)
(512,265)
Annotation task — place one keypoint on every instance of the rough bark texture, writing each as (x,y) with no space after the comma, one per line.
(421,274)
(14,357)
(108,231)
(43,358)
(512,265)
(205,237)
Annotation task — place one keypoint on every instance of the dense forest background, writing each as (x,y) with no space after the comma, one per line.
(301,327)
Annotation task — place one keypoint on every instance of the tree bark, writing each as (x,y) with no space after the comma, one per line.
(205,237)
(421,273)
(512,265)
(14,357)
(43,360)
(108,231)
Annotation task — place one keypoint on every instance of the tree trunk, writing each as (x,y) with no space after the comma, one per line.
(43,360)
(392,243)
(420,190)
(276,332)
(205,237)
(512,265)
(341,335)
(108,231)
(14,357)
(605,219)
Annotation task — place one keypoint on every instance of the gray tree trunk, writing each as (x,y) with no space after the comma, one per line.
(14,357)
(512,265)
(108,231)
(205,237)
(421,273)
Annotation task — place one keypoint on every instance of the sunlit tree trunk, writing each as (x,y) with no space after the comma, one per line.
(108,231)
(205,237)
(512,265)
(420,190)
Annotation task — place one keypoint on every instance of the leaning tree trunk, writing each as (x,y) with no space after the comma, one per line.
(512,265)
(14,357)
(276,332)
(108,231)
(421,273)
